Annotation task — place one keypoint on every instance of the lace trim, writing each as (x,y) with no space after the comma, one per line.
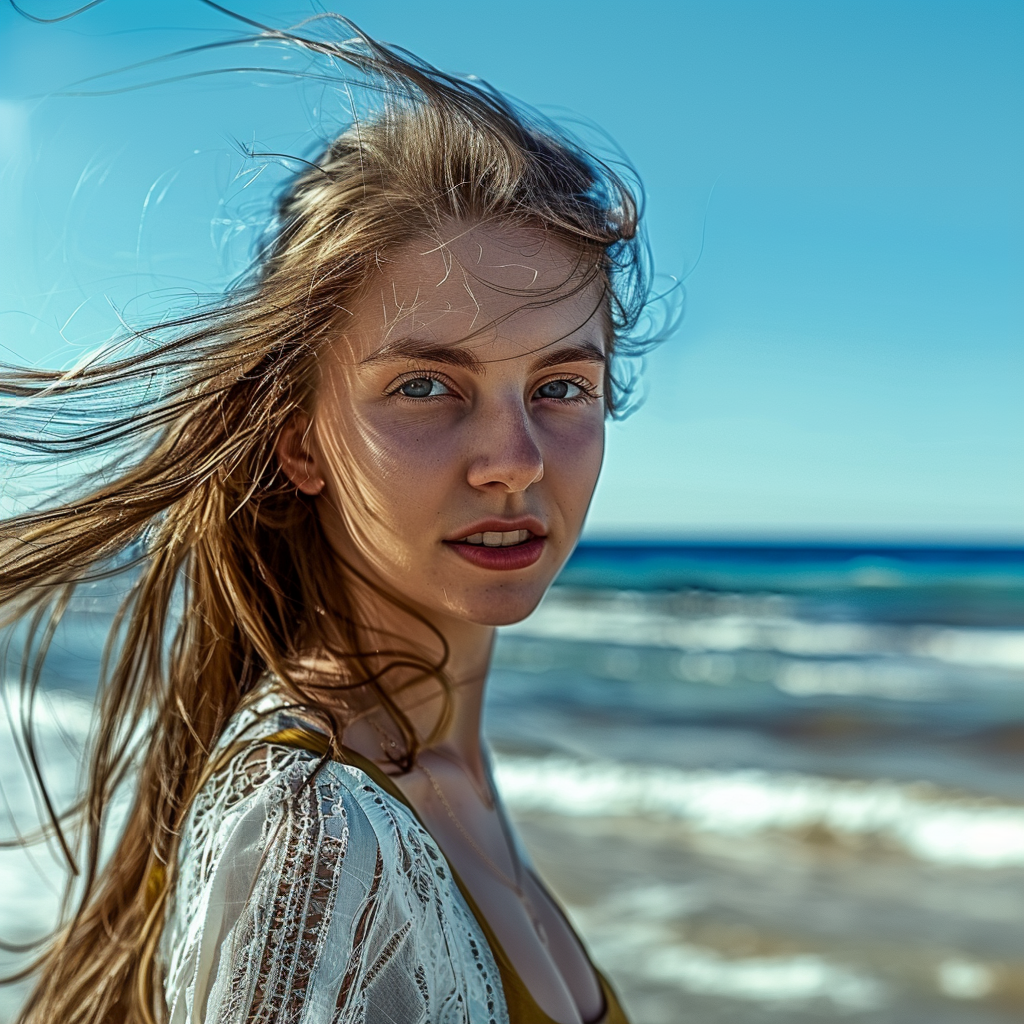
(307,894)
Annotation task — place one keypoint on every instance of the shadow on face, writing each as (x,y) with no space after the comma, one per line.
(459,426)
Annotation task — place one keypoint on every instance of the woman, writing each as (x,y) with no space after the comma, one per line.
(378,448)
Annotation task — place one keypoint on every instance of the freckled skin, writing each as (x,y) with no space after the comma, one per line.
(403,474)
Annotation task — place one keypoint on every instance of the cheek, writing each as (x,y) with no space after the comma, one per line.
(573,462)
(392,471)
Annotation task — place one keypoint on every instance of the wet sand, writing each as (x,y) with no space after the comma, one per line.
(698,929)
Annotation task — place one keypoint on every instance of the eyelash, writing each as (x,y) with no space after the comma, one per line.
(422,375)
(589,392)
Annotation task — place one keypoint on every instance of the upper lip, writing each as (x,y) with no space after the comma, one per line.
(494,525)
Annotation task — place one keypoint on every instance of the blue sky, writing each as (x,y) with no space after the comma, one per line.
(851,362)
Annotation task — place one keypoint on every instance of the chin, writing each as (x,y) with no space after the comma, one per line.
(501,609)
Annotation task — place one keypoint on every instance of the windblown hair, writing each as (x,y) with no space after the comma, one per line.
(229,574)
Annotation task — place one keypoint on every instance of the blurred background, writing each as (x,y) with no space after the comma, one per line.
(765,737)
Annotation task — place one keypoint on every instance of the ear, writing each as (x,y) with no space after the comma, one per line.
(296,456)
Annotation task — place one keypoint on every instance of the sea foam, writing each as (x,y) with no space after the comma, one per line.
(631,620)
(938,828)
(930,824)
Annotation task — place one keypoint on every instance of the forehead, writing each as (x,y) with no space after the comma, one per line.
(477,285)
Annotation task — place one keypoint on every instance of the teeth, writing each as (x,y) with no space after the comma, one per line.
(494,539)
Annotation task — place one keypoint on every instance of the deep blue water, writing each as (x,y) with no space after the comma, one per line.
(980,585)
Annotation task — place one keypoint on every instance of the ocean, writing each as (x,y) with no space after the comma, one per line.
(770,782)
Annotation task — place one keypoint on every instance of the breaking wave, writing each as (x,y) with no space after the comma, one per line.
(942,829)
(629,619)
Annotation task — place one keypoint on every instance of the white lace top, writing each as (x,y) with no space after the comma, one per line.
(314,897)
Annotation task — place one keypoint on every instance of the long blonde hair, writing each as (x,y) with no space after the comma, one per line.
(230,572)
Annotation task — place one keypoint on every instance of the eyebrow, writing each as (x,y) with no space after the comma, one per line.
(414,348)
(587,352)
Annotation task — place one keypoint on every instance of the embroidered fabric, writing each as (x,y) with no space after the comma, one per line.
(306,894)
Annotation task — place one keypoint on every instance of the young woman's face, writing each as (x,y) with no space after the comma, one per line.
(459,432)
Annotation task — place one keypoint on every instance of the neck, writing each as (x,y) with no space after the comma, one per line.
(469,647)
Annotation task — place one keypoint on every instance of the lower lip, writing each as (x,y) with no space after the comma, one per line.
(518,556)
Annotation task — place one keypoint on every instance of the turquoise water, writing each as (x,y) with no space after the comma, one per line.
(902,661)
(971,585)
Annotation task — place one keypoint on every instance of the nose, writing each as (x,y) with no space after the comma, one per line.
(507,457)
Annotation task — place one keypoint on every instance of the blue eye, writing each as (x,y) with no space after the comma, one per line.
(422,387)
(558,389)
